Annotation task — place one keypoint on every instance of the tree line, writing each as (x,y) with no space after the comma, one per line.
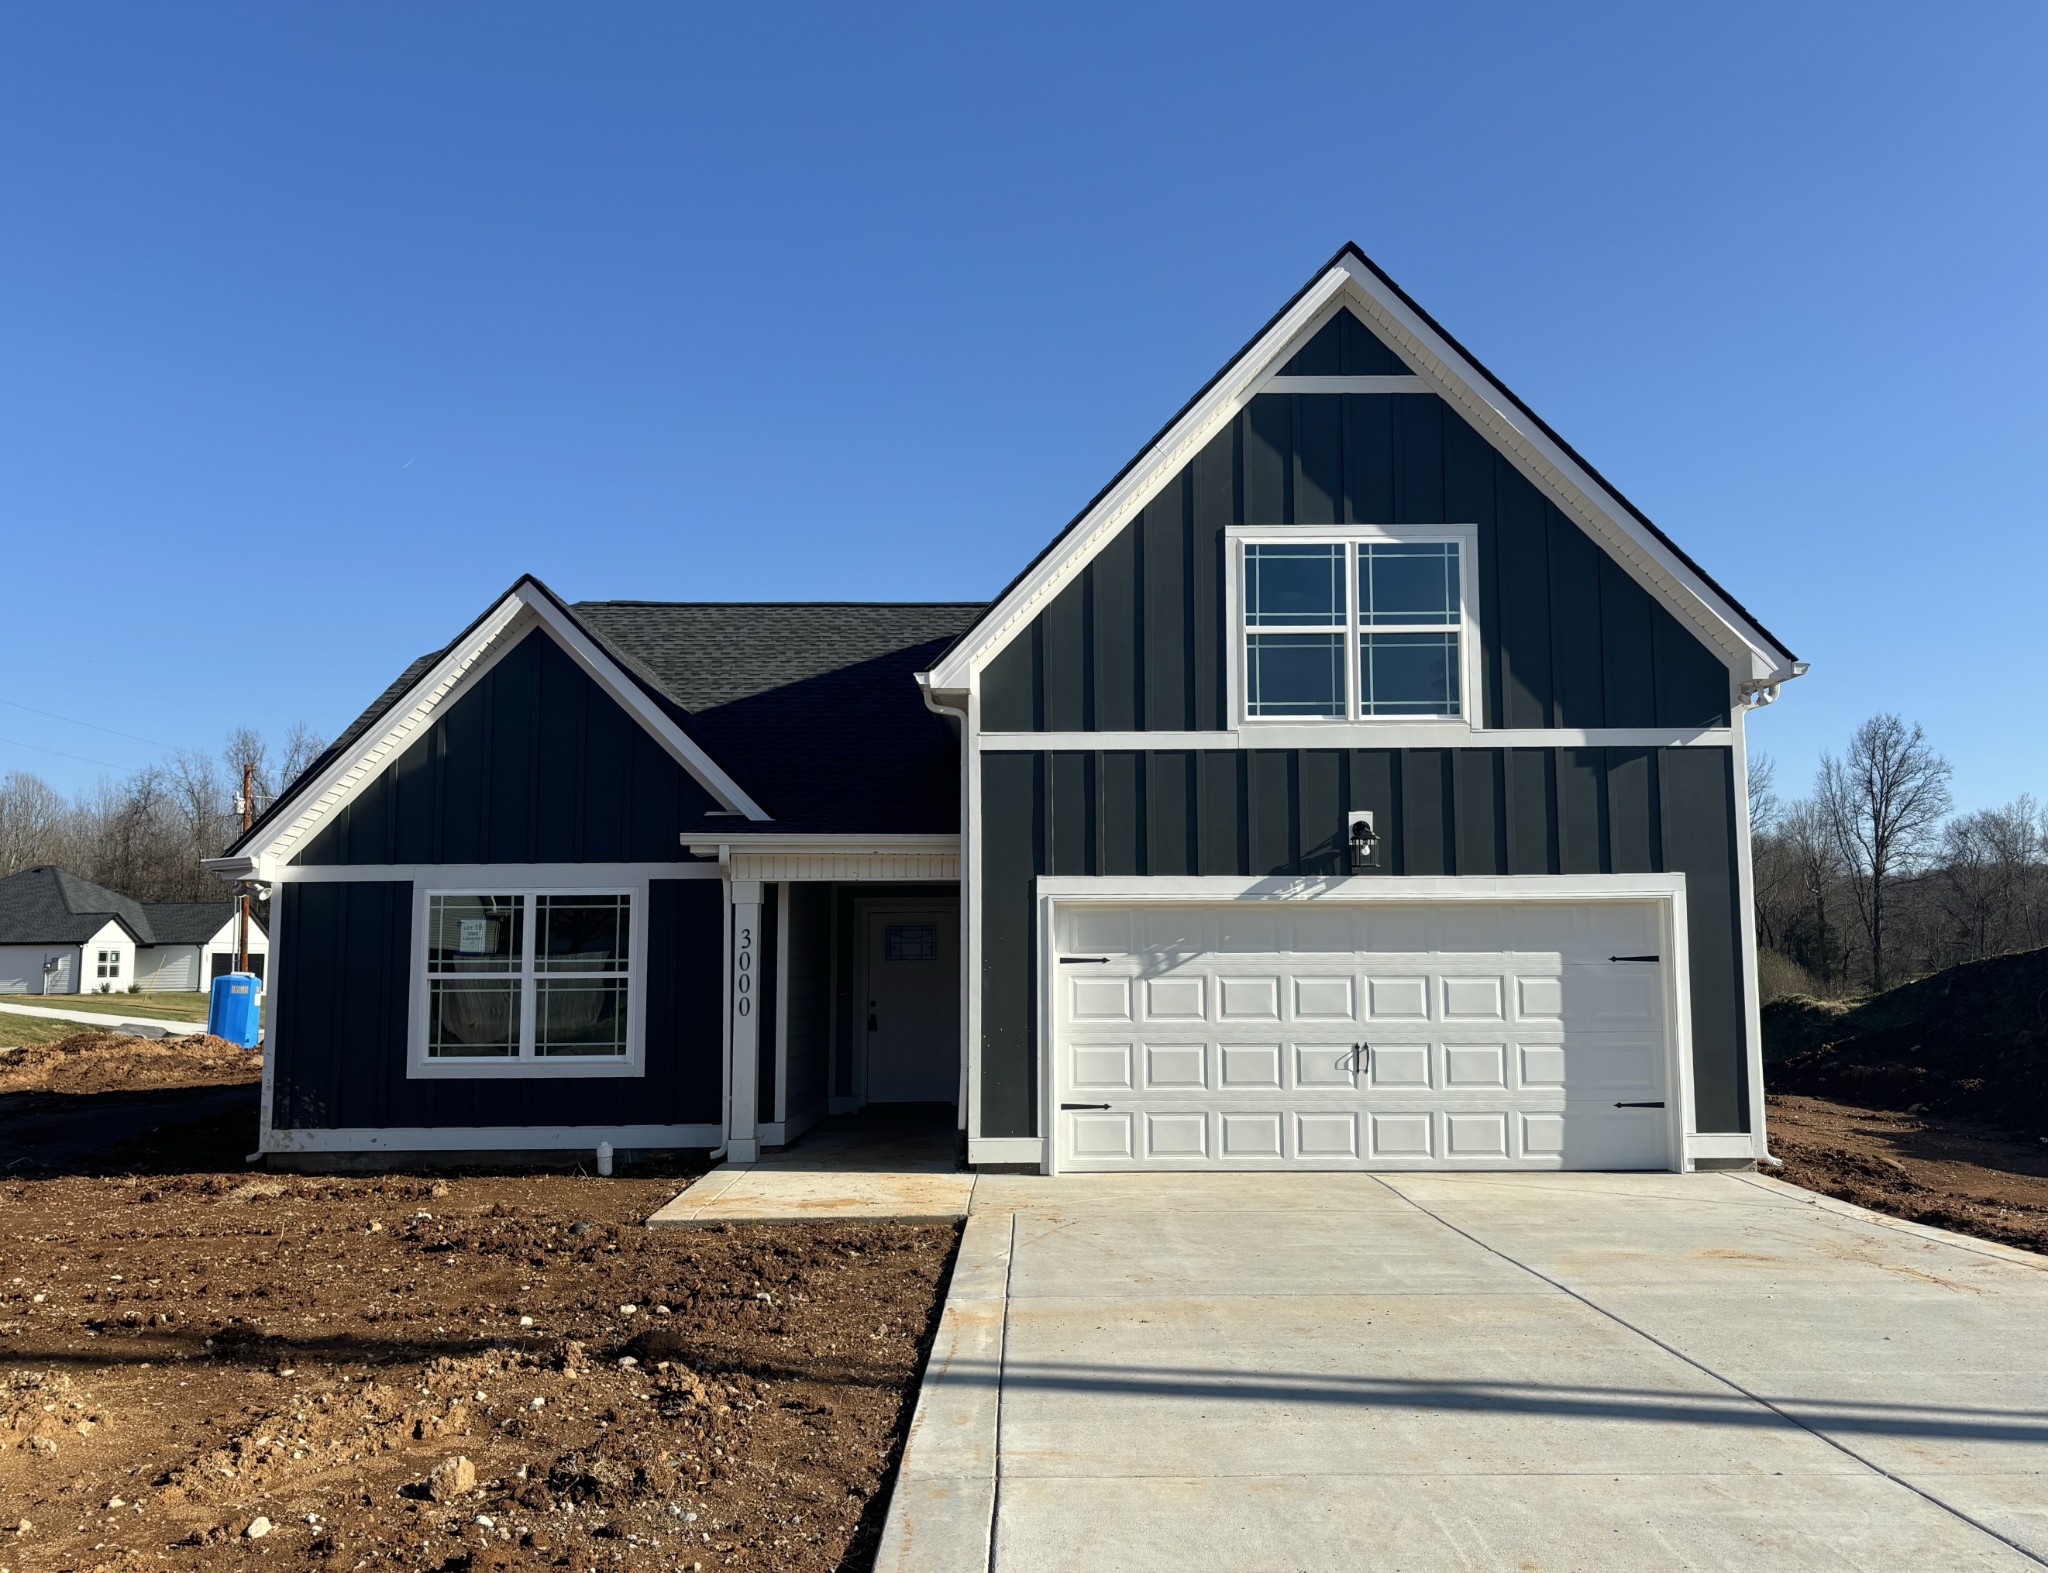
(144,835)
(1871,878)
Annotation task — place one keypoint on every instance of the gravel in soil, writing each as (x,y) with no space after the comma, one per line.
(1949,1173)
(218,1368)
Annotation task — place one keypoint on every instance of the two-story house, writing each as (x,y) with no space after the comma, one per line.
(1357,782)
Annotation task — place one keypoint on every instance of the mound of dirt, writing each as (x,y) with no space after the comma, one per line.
(1968,1042)
(1946,1173)
(95,1060)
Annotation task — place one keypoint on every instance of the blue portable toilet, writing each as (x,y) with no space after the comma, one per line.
(231,1013)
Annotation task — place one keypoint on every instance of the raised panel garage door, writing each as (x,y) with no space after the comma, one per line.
(1375,1035)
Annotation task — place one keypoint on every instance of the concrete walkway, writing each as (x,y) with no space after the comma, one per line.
(112,1021)
(1588,1372)
(887,1164)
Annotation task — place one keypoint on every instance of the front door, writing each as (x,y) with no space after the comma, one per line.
(913,1005)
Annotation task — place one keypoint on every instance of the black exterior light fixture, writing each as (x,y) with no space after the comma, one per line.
(1364,840)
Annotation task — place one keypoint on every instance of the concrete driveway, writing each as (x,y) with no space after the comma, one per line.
(1626,1372)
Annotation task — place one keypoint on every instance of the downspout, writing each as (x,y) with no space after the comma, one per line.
(958,715)
(1754,696)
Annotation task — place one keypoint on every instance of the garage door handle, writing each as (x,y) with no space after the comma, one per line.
(1657,1105)
(1084,1106)
(1361,1057)
(1635,958)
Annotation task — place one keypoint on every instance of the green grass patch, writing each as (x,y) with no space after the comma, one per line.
(19,1031)
(136,1007)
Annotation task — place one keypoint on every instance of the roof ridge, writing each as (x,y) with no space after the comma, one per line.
(793,605)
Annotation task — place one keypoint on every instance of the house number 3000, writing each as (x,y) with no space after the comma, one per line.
(743,973)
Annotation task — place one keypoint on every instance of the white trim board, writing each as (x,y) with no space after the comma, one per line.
(1355,734)
(1723,1145)
(504,876)
(526,607)
(1350,283)
(488,1138)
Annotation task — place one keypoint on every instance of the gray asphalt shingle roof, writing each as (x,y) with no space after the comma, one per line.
(813,708)
(187,922)
(48,906)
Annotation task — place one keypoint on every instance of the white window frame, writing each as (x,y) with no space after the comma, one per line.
(107,965)
(525,1064)
(1464,536)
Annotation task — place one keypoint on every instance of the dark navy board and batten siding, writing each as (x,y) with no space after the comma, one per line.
(535,764)
(1249,813)
(1137,642)
(343,1006)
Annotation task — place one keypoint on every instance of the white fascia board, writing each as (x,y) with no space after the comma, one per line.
(522,610)
(1443,370)
(1115,508)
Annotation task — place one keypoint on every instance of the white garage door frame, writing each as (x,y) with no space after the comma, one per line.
(1665,893)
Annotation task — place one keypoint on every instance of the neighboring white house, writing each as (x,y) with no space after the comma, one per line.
(60,934)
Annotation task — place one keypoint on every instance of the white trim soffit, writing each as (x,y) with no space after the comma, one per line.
(1440,368)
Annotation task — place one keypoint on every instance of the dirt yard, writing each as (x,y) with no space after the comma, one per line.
(208,1367)
(1935,1171)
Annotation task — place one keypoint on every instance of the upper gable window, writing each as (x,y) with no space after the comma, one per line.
(1356,625)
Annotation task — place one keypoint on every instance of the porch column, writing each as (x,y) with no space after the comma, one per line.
(742,1136)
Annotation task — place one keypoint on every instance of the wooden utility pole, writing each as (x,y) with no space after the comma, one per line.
(248,786)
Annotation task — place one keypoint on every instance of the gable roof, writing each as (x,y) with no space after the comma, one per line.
(408,706)
(1353,280)
(812,708)
(48,906)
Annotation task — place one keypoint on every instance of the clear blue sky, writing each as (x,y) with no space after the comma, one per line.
(321,323)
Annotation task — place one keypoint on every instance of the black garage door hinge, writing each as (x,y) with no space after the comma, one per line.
(1635,958)
(1657,1105)
(1084,1106)
(1070,961)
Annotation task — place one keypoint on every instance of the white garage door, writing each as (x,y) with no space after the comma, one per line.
(1360,1036)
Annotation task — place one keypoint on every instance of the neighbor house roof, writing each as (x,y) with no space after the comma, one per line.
(47,906)
(188,922)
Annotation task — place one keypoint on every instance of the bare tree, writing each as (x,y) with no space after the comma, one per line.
(1988,881)
(302,745)
(1883,802)
(31,822)
(1799,874)
(1764,803)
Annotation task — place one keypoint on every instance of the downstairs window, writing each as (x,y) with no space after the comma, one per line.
(528,978)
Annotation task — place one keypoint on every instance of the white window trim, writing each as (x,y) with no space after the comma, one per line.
(421,1067)
(1466,536)
(106,964)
